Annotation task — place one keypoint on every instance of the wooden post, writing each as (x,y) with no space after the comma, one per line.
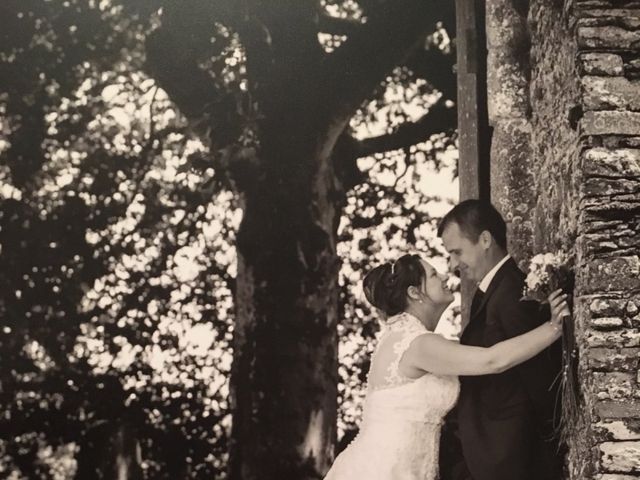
(473,122)
(474,141)
(474,144)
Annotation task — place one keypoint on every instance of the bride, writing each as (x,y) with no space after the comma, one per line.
(413,380)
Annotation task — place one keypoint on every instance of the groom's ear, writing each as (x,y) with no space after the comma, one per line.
(485,239)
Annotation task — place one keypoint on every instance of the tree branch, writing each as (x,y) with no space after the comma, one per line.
(435,67)
(282,51)
(354,70)
(344,158)
(438,119)
(173,52)
(337,26)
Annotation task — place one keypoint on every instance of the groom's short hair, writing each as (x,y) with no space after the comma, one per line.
(474,217)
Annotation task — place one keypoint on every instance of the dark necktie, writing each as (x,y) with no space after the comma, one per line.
(477,300)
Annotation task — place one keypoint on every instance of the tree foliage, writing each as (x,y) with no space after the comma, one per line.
(127,131)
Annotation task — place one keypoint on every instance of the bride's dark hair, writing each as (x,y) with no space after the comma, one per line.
(385,287)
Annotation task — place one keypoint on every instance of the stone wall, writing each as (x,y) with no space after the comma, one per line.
(581,190)
(608,38)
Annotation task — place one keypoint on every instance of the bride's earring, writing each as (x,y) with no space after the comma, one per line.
(417,297)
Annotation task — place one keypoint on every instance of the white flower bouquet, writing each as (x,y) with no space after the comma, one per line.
(547,273)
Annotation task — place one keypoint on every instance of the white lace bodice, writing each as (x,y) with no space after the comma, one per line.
(391,394)
(400,432)
(395,338)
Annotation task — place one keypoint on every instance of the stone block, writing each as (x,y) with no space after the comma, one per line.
(608,37)
(606,307)
(620,456)
(601,64)
(602,93)
(583,6)
(609,14)
(610,123)
(507,79)
(632,68)
(615,476)
(598,226)
(604,187)
(607,323)
(628,338)
(613,359)
(617,245)
(622,429)
(622,162)
(624,18)
(614,385)
(508,92)
(618,141)
(616,409)
(630,239)
(619,206)
(506,26)
(609,274)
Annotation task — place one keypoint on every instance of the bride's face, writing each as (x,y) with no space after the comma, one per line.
(435,285)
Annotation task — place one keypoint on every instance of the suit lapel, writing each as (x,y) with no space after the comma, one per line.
(495,281)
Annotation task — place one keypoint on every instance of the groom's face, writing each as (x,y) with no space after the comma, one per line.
(466,257)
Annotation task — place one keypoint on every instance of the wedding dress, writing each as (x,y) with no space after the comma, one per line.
(400,432)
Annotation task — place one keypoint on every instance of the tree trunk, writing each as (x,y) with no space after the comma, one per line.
(110,452)
(284,377)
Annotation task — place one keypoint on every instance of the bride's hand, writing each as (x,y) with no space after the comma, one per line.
(559,307)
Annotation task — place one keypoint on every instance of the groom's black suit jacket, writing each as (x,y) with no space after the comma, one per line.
(505,420)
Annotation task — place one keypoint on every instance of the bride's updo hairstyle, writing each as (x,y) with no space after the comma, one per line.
(385,287)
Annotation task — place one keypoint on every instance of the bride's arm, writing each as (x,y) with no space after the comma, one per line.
(435,354)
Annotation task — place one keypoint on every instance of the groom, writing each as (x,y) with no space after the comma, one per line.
(505,420)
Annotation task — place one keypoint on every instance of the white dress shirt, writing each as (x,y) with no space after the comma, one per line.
(486,281)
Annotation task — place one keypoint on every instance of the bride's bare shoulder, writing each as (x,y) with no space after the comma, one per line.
(430,341)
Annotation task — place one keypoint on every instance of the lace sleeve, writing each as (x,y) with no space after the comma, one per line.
(394,377)
(385,363)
